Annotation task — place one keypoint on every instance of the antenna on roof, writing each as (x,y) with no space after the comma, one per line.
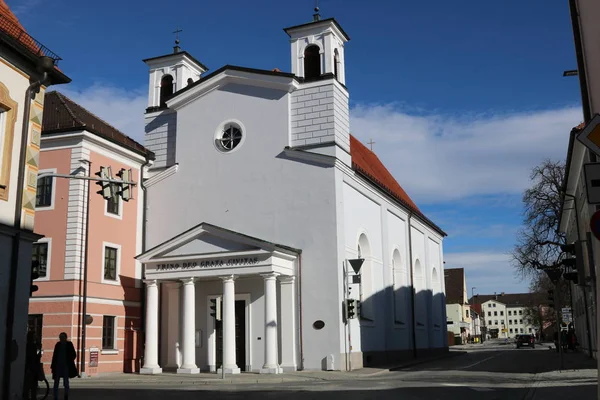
(316,15)
(176,48)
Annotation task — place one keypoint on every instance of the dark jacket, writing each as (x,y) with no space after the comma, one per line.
(69,362)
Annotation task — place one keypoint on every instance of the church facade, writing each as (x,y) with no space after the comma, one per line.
(258,198)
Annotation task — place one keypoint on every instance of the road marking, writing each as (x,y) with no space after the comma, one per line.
(479,389)
(479,362)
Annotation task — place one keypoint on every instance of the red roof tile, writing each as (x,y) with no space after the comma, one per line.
(62,114)
(368,164)
(10,24)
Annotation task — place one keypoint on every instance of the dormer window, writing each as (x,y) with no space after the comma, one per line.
(312,62)
(166,89)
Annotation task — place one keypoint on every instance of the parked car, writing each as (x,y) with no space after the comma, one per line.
(525,340)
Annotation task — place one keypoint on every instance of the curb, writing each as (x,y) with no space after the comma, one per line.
(416,362)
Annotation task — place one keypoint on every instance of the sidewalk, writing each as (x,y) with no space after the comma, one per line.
(169,378)
(577,380)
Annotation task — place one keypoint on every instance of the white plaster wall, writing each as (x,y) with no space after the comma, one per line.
(16,84)
(257,191)
(402,310)
(362,217)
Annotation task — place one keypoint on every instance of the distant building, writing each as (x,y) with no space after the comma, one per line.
(101,252)
(27,68)
(458,309)
(506,315)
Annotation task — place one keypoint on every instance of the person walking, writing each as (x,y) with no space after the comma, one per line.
(63,364)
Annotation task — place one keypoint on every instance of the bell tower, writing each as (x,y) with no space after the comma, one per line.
(318,49)
(168,74)
(171,73)
(319,110)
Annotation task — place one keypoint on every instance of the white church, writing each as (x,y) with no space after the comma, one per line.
(258,198)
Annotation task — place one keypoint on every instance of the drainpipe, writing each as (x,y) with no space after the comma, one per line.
(412,287)
(45,64)
(85,274)
(144,219)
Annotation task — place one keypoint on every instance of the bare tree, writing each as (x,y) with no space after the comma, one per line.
(540,314)
(538,238)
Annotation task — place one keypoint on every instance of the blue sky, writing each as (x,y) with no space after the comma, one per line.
(461,98)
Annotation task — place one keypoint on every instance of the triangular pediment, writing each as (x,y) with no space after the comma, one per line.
(205,243)
(208,239)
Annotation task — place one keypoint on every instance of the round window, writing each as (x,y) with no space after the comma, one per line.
(318,324)
(229,137)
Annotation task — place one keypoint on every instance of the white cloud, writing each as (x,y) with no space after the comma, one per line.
(123,109)
(438,158)
(488,272)
(477,260)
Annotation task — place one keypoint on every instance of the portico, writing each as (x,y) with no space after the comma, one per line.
(254,280)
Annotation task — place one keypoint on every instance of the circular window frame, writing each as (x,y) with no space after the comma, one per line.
(218,136)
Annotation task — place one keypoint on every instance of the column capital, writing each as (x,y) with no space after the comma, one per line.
(151,282)
(228,278)
(188,281)
(270,275)
(287,279)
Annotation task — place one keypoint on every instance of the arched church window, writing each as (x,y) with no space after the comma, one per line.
(166,89)
(312,62)
(336,61)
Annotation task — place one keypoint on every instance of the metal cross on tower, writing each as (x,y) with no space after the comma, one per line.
(176,48)
(371,143)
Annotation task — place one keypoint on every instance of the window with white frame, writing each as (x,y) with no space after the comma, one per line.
(110,263)
(43,196)
(39,255)
(108,333)
(113,204)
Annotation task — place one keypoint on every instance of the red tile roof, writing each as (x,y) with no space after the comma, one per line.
(10,24)
(368,164)
(62,114)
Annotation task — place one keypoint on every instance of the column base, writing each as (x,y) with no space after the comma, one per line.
(150,370)
(288,367)
(230,371)
(184,370)
(271,370)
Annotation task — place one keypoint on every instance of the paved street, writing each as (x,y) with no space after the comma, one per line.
(493,370)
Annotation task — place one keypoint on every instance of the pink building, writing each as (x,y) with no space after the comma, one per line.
(99,241)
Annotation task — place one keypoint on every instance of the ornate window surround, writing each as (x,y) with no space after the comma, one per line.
(11,107)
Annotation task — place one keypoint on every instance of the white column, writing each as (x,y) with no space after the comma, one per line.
(151,354)
(171,333)
(271,348)
(288,323)
(189,328)
(229,362)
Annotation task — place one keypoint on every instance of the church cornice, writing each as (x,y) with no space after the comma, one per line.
(234,74)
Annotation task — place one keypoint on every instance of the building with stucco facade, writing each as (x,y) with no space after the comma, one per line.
(27,68)
(258,198)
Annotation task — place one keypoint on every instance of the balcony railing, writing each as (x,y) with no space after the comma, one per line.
(25,40)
